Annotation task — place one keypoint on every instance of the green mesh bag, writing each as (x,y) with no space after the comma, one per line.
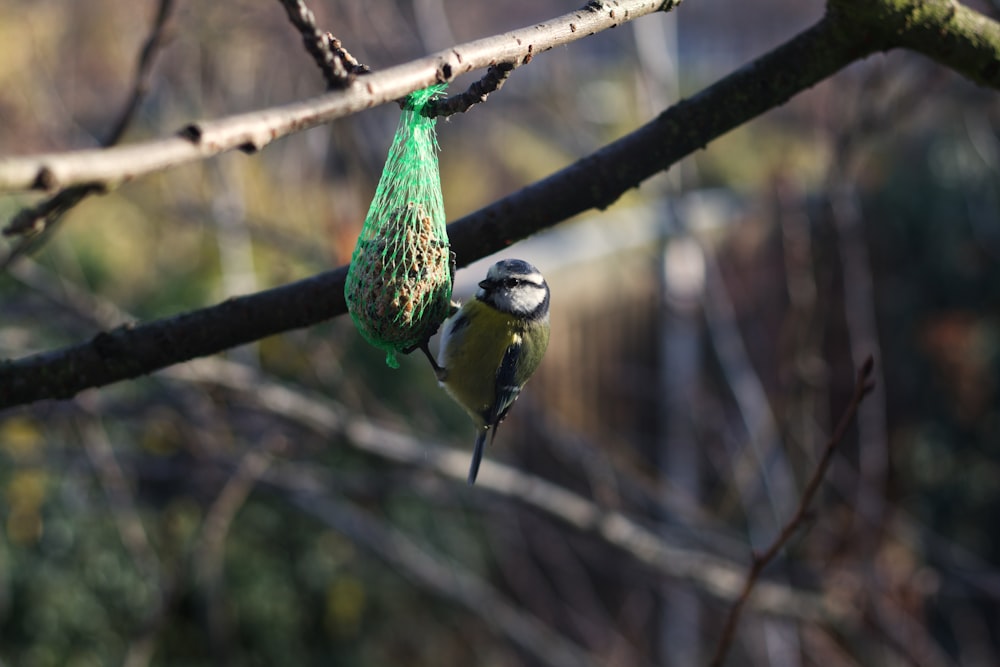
(399,284)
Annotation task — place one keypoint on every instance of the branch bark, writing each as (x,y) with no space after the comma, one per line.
(943,30)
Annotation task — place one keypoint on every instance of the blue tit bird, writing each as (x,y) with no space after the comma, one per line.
(492,345)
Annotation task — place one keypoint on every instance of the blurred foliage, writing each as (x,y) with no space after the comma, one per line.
(939,296)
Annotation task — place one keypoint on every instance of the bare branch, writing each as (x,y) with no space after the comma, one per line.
(317,45)
(595,181)
(209,552)
(444,578)
(120,500)
(862,386)
(34,224)
(493,81)
(253,131)
(350,62)
(971,47)
(711,574)
(943,30)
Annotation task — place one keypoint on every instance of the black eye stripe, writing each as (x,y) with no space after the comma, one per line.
(510,282)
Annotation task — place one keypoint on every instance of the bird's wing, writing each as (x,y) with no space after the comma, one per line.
(507,387)
(506,391)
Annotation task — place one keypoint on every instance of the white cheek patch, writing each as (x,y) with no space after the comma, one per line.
(525,299)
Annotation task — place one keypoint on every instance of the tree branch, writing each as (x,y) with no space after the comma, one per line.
(862,386)
(253,131)
(208,554)
(491,82)
(437,574)
(344,56)
(709,573)
(950,33)
(943,30)
(593,182)
(317,44)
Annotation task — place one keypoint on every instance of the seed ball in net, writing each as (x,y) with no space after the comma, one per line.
(402,280)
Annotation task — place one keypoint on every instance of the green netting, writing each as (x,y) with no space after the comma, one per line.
(398,288)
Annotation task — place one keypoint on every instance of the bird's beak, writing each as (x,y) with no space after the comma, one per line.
(484,284)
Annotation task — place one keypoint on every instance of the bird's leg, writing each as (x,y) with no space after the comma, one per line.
(424,347)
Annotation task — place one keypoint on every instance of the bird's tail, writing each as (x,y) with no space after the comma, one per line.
(477,455)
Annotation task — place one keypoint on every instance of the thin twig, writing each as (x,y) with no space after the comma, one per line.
(318,45)
(762,466)
(208,556)
(349,61)
(120,501)
(36,223)
(862,386)
(133,536)
(68,297)
(491,82)
(219,518)
(140,86)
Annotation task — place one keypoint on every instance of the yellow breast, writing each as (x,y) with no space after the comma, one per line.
(473,353)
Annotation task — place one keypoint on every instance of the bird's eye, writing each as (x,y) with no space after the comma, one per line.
(511,282)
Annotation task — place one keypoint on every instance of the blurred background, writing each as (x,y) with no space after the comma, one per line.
(282,503)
